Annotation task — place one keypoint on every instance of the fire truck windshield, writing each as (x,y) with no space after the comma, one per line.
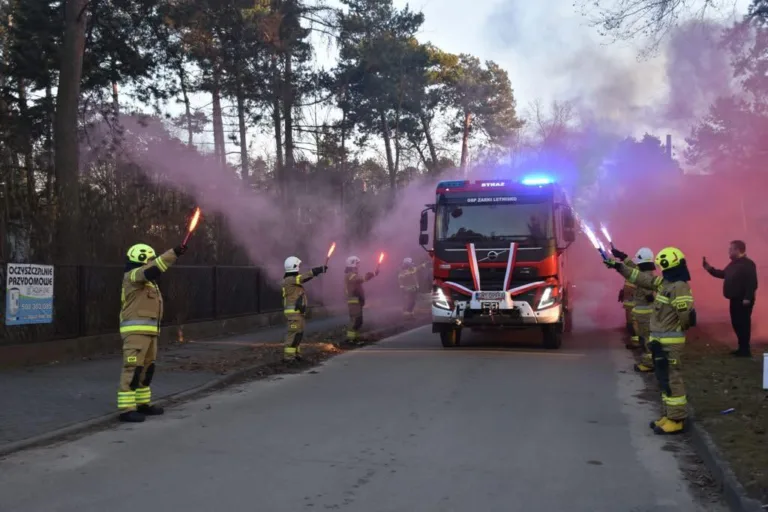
(466,221)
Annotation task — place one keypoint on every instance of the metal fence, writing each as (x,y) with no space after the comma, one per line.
(87,299)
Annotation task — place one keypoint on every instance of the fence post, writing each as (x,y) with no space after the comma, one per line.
(215,279)
(82,321)
(258,290)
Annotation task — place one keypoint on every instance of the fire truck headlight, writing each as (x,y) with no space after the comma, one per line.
(439,300)
(548,298)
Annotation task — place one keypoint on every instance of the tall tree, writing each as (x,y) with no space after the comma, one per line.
(377,59)
(484,102)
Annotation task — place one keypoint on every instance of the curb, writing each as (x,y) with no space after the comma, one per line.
(61,434)
(734,493)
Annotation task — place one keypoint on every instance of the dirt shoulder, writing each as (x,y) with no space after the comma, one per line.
(717,382)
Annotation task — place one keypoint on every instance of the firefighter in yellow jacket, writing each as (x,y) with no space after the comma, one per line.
(408,278)
(673,314)
(140,317)
(295,305)
(641,313)
(627,299)
(353,287)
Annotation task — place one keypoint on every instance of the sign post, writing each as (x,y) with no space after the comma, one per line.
(29,294)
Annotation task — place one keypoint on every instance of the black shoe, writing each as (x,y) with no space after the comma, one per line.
(132,417)
(741,353)
(150,410)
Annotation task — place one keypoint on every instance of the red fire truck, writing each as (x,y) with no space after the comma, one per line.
(500,257)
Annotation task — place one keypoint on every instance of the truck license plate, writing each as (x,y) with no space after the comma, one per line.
(491,296)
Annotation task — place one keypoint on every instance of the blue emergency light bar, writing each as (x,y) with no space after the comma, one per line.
(537,180)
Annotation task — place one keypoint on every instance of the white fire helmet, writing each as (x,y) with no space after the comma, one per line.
(644,255)
(292,264)
(353,261)
(407,261)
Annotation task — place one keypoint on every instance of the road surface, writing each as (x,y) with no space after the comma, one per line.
(404,426)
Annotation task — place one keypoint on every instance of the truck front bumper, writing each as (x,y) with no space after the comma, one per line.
(509,314)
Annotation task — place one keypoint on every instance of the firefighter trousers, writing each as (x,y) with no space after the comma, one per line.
(295,323)
(628,316)
(355,321)
(667,360)
(642,325)
(139,354)
(409,301)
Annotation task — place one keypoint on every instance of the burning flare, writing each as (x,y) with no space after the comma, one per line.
(381,258)
(192,225)
(605,233)
(594,240)
(330,251)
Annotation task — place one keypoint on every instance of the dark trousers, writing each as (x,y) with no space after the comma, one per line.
(741,320)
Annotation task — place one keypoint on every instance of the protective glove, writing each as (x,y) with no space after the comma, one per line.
(650,298)
(179,250)
(377,272)
(369,276)
(615,265)
(319,270)
(621,256)
(692,318)
(621,295)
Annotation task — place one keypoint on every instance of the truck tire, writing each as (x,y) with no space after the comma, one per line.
(553,336)
(450,338)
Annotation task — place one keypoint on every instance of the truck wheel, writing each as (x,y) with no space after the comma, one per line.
(450,338)
(553,336)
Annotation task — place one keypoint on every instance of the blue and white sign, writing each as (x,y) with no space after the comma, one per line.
(29,294)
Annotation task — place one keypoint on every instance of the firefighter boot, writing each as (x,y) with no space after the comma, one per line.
(150,410)
(670,427)
(131,417)
(643,368)
(659,422)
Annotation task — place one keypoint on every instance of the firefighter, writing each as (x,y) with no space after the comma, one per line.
(295,305)
(641,313)
(408,278)
(627,299)
(140,316)
(673,314)
(353,286)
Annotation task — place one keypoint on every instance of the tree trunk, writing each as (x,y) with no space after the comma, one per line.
(187,108)
(115,100)
(243,130)
(277,120)
(388,150)
(287,85)
(430,142)
(465,140)
(65,133)
(29,159)
(220,150)
(49,157)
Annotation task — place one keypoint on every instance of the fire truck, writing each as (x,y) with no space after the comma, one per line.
(500,254)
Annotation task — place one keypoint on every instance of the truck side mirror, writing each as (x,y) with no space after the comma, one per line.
(424,222)
(423,239)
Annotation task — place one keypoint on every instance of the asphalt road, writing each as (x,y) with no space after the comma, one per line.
(403,426)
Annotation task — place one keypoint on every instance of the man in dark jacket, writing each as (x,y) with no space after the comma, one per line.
(739,287)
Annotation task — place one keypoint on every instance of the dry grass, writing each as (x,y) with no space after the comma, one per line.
(716,382)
